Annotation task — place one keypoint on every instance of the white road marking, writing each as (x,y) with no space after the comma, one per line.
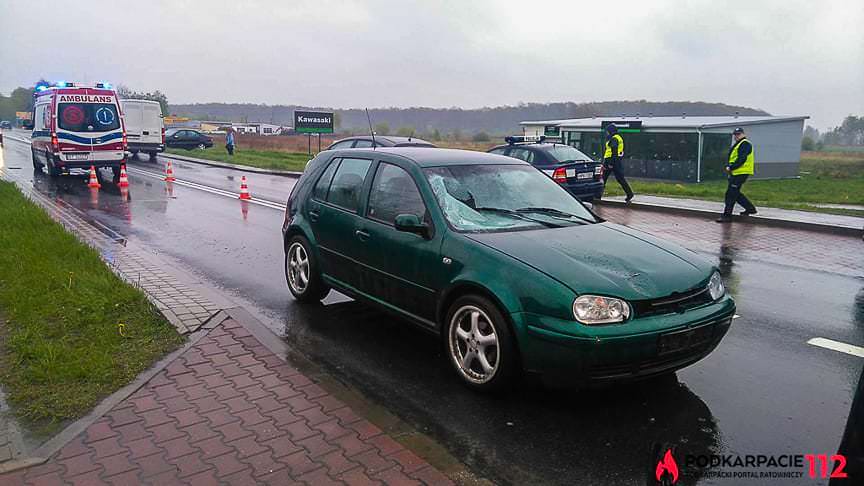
(838,346)
(211,190)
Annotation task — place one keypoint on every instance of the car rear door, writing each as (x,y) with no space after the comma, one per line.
(151,123)
(132,118)
(334,215)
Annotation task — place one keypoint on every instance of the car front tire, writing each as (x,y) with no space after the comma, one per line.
(302,272)
(480,346)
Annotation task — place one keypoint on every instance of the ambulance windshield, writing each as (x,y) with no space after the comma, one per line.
(88,117)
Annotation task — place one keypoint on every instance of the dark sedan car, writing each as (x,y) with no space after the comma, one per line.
(512,272)
(365,141)
(186,138)
(567,166)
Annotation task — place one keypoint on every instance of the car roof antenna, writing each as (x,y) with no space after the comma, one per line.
(371,131)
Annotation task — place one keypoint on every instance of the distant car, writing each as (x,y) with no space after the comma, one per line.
(186,138)
(365,141)
(5,124)
(512,272)
(567,166)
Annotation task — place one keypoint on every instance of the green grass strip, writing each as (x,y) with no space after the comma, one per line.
(61,349)
(262,159)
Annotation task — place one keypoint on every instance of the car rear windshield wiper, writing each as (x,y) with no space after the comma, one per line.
(554,212)
(518,215)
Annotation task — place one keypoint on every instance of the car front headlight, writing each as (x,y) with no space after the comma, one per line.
(596,309)
(715,286)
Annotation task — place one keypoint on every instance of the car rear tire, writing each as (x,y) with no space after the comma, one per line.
(152,156)
(480,346)
(202,146)
(36,164)
(52,170)
(302,272)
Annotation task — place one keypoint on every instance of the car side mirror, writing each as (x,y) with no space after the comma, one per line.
(410,223)
(28,125)
(588,205)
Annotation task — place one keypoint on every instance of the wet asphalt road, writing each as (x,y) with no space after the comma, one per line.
(763,391)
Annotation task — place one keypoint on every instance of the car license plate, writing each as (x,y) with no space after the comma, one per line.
(77,156)
(571,172)
(680,340)
(585,175)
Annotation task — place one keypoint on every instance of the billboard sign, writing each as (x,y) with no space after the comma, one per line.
(313,122)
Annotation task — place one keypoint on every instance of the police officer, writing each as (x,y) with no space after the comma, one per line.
(612,159)
(741,164)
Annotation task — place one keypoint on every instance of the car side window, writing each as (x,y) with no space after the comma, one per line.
(348,183)
(342,145)
(394,192)
(363,144)
(523,154)
(323,184)
(499,151)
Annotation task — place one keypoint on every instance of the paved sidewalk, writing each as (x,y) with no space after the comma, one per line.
(801,219)
(229,411)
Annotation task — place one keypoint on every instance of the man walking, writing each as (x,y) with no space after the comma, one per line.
(741,165)
(229,141)
(612,159)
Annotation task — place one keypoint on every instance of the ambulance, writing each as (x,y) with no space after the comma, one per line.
(76,127)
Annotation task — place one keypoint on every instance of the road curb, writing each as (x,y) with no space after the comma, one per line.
(755,219)
(225,165)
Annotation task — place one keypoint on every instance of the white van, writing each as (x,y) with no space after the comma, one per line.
(145,130)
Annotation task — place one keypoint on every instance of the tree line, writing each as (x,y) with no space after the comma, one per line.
(456,122)
(849,133)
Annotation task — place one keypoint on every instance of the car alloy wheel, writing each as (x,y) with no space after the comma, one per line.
(474,346)
(297,268)
(201,146)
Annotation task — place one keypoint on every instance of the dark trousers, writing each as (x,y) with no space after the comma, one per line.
(615,168)
(230,148)
(733,194)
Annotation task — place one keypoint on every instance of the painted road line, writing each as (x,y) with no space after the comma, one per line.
(838,346)
(211,190)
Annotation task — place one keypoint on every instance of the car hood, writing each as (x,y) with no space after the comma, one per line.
(605,258)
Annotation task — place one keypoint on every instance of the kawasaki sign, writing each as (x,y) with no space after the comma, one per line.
(313,122)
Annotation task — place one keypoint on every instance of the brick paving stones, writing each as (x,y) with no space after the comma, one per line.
(277,428)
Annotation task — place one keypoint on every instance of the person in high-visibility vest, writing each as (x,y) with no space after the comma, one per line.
(612,159)
(742,163)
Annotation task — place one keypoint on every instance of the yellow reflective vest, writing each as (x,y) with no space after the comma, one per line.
(748,165)
(608,154)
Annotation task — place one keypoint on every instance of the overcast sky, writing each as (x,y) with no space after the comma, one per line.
(785,56)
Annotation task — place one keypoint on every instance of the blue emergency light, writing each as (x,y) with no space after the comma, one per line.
(103,85)
(61,84)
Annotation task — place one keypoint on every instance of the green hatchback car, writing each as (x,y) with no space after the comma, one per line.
(512,272)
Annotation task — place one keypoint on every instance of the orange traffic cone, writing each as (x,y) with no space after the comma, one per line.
(94,181)
(169,173)
(244,190)
(124,179)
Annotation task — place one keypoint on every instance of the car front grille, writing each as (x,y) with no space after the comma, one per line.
(677,302)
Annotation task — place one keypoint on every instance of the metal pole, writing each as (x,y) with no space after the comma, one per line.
(309,142)
(319,142)
(699,157)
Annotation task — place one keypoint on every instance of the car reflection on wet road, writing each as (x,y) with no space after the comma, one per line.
(763,391)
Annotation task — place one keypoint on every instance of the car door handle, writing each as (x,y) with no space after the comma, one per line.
(313,216)
(363,235)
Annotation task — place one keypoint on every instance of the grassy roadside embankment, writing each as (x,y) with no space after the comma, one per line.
(61,347)
(254,158)
(826,178)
